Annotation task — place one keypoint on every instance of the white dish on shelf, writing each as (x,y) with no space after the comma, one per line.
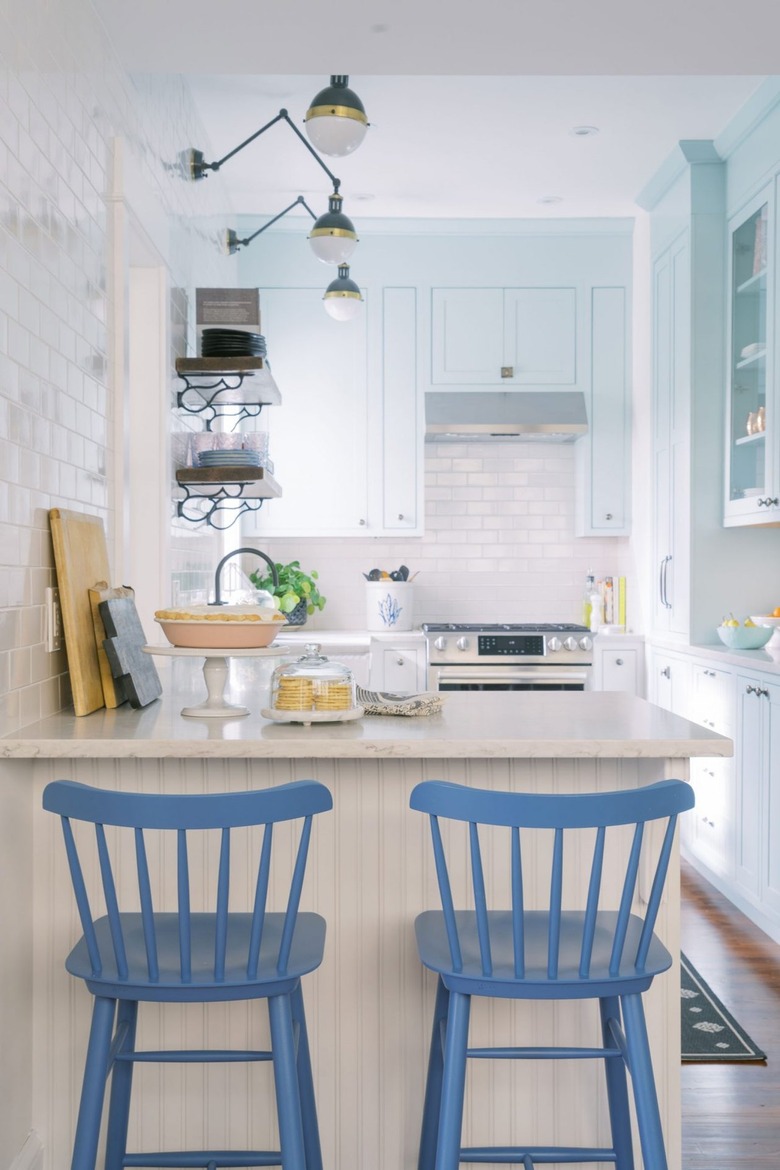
(307,717)
(765,619)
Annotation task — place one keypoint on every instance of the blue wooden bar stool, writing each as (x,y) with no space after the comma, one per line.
(610,955)
(180,956)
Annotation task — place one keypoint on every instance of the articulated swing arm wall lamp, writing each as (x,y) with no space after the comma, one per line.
(336,122)
(342,297)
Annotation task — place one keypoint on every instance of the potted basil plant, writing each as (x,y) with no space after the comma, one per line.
(297,593)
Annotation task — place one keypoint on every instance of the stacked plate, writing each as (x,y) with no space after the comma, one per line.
(229,459)
(232,343)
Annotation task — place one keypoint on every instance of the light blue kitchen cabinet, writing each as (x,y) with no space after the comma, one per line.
(709,834)
(349,437)
(602,456)
(758,792)
(318,440)
(752,456)
(511,337)
(701,569)
(671,436)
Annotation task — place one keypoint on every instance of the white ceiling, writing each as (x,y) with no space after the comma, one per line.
(468,118)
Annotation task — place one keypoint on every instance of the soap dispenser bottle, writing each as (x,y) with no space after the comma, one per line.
(590,584)
(596,610)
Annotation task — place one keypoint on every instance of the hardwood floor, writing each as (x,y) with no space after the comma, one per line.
(731,1112)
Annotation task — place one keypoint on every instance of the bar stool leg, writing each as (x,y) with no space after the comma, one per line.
(288,1101)
(94,1086)
(311,1133)
(617,1089)
(121,1084)
(453,1082)
(647,1113)
(430,1121)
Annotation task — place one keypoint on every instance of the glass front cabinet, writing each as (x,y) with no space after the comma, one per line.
(752,472)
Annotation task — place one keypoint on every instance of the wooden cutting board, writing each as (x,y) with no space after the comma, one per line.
(114,691)
(81,560)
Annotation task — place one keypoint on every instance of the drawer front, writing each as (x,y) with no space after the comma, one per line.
(620,671)
(712,819)
(713,699)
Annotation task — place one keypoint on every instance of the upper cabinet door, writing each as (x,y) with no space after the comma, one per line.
(467,332)
(751,427)
(318,439)
(512,337)
(541,335)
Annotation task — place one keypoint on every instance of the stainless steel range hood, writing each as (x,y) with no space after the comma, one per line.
(552,417)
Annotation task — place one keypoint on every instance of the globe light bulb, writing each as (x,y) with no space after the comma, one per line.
(336,122)
(333,237)
(342,297)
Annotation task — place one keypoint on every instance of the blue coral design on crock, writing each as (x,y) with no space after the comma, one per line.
(390,610)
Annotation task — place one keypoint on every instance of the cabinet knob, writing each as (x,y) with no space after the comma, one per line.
(362,522)
(762,692)
(608,516)
(400,515)
(618,662)
(399,661)
(666,672)
(507,371)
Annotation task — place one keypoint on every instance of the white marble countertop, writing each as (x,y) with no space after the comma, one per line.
(473,725)
(768,662)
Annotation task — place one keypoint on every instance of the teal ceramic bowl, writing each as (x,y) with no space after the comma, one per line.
(745,637)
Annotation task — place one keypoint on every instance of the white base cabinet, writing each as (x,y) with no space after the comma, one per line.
(399,666)
(732,836)
(618,664)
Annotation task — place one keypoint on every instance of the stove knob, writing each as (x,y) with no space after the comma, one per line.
(553,643)
(440,643)
(586,643)
(570,643)
(462,643)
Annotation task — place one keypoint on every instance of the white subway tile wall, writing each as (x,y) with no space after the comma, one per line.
(63,101)
(499,543)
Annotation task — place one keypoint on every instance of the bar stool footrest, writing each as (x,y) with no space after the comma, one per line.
(202,1159)
(539,1155)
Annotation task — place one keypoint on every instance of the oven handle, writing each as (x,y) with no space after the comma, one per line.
(506,675)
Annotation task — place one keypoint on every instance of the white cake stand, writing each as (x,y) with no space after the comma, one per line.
(215,673)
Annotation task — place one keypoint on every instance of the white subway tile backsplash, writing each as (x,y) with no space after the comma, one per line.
(511,557)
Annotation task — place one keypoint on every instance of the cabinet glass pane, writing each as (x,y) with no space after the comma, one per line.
(747,472)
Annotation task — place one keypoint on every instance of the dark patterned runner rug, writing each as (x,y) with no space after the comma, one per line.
(709,1031)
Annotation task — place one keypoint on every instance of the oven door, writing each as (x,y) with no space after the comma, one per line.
(508,678)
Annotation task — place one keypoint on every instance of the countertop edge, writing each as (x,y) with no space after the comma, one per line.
(21,749)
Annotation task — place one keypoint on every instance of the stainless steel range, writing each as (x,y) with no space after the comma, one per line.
(508,657)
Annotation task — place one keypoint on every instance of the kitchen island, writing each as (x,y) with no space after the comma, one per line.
(370,873)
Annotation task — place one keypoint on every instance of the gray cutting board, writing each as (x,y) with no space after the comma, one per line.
(124,649)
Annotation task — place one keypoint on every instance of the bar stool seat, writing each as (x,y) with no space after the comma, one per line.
(594,951)
(129,956)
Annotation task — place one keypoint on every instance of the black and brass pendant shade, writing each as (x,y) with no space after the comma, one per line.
(336,121)
(333,237)
(342,297)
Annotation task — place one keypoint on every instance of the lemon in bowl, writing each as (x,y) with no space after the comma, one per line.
(738,637)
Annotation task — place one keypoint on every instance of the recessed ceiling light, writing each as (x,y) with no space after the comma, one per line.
(363,197)
(550,199)
(584,131)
